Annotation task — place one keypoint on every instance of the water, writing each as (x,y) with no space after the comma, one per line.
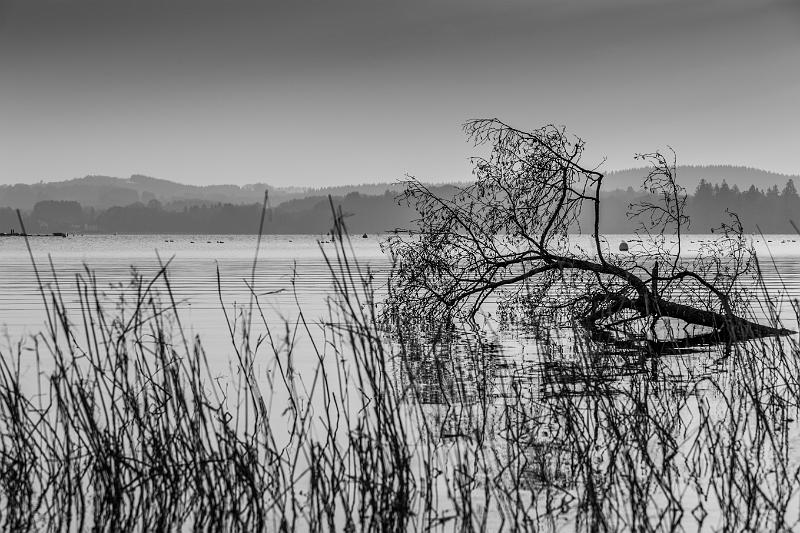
(292,264)
(291,272)
(292,275)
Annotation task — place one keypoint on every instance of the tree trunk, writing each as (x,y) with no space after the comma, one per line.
(726,328)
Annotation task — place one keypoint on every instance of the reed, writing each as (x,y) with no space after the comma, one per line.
(114,419)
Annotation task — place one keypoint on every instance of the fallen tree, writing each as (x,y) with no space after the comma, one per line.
(516,234)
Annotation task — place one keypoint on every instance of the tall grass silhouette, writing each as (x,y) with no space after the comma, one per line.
(114,419)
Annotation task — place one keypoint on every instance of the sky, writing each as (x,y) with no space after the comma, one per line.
(314,93)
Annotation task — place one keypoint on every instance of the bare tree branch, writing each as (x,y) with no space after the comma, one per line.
(508,234)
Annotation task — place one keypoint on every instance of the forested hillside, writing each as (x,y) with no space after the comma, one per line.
(689,176)
(769,211)
(104,192)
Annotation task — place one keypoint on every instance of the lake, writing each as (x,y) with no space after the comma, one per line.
(565,404)
(292,264)
(291,276)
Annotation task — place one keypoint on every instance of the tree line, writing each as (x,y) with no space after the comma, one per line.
(312,215)
(769,210)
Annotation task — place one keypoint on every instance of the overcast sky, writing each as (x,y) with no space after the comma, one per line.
(331,92)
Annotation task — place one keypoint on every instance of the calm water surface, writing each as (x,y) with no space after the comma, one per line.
(291,269)
(291,272)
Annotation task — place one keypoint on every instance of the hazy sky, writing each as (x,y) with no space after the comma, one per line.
(313,93)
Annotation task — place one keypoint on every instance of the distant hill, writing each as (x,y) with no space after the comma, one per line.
(689,176)
(770,211)
(103,192)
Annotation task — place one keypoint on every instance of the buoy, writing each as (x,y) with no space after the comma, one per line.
(623,246)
